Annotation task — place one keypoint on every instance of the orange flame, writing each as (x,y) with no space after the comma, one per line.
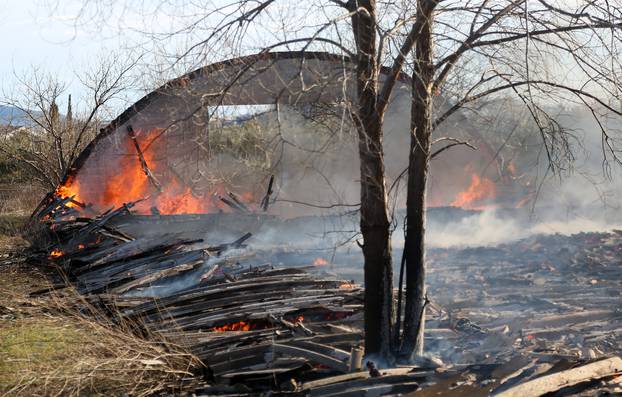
(56,253)
(480,189)
(346,285)
(320,262)
(127,181)
(68,189)
(239,326)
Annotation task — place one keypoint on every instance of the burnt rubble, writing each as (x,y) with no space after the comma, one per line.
(520,319)
(549,295)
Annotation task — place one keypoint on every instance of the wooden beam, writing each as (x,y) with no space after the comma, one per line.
(143,162)
(551,383)
(311,356)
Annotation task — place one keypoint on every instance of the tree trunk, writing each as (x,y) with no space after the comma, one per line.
(376,247)
(418,163)
(375,226)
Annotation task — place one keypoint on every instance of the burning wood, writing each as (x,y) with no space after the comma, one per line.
(56,253)
(250,321)
(239,326)
(143,162)
(244,309)
(130,178)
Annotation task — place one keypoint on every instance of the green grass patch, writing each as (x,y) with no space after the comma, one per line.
(57,344)
(32,350)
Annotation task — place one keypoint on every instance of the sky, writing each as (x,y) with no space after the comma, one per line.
(49,35)
(53,36)
(32,34)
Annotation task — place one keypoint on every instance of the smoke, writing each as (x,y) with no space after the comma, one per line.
(493,227)
(315,162)
(485,228)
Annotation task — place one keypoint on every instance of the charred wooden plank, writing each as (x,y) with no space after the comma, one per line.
(132,249)
(155,276)
(347,384)
(238,202)
(327,350)
(84,233)
(313,356)
(143,162)
(233,205)
(551,383)
(246,286)
(265,202)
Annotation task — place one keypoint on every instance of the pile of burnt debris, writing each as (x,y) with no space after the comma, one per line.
(265,327)
(549,295)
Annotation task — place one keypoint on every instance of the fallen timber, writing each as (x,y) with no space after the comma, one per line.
(294,330)
(254,327)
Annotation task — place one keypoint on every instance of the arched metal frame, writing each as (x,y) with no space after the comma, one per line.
(289,78)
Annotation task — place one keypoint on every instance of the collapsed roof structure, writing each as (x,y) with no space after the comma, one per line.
(160,147)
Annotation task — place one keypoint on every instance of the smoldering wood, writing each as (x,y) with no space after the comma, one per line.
(370,386)
(162,274)
(238,202)
(112,232)
(298,315)
(134,248)
(311,355)
(84,233)
(338,354)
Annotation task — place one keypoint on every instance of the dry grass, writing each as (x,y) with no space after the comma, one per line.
(10,230)
(58,344)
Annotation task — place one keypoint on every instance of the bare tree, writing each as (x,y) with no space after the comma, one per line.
(44,138)
(459,54)
(506,47)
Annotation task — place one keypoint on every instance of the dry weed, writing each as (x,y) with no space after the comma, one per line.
(60,344)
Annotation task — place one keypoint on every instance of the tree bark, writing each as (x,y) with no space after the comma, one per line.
(375,226)
(418,164)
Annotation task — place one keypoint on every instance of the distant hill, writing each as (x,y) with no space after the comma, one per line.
(14,116)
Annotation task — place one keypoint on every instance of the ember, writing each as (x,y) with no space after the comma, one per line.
(320,262)
(56,253)
(347,285)
(239,326)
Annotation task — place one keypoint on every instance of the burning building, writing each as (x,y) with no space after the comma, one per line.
(157,212)
(217,135)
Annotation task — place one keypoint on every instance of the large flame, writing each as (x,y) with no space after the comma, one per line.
(68,189)
(480,190)
(127,181)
